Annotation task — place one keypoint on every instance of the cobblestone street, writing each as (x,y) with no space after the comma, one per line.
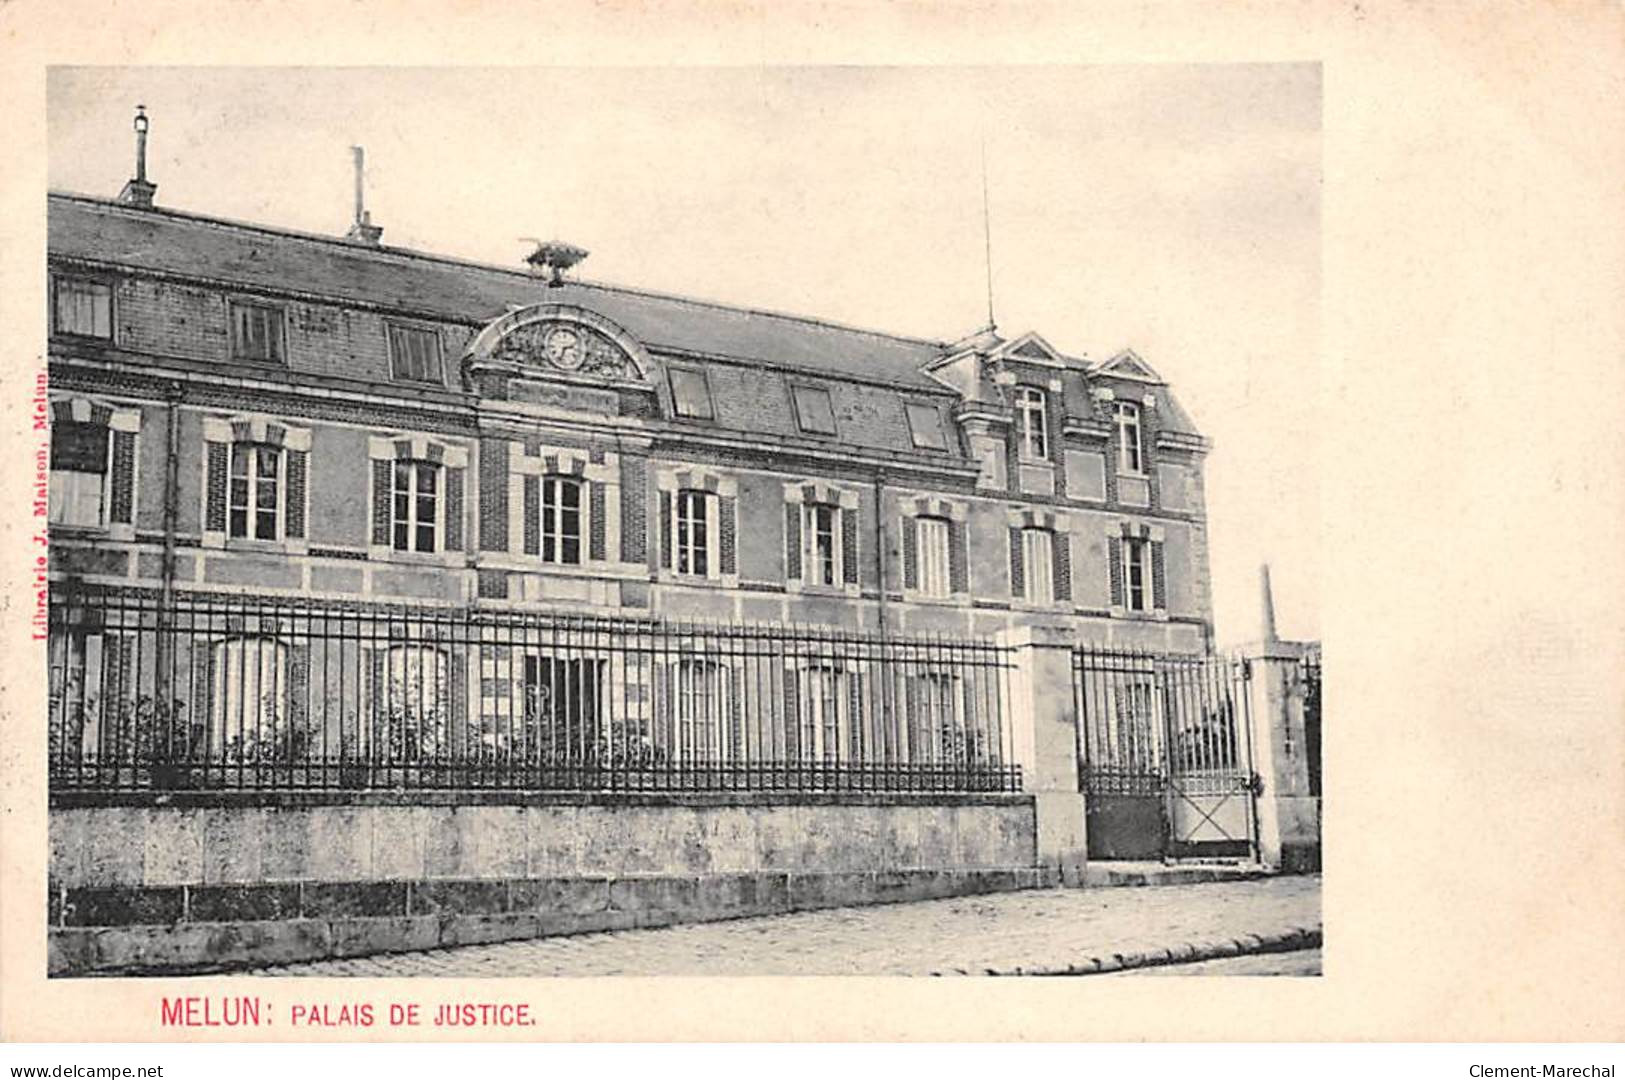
(1035,929)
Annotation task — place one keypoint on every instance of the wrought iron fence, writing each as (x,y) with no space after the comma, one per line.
(1309,674)
(245,692)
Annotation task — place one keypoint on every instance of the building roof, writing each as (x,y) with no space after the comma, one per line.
(434,286)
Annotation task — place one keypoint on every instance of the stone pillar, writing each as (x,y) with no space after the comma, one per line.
(1288,815)
(1044,723)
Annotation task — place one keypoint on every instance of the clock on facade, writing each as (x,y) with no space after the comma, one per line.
(564,348)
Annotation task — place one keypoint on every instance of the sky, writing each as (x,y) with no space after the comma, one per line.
(1174,209)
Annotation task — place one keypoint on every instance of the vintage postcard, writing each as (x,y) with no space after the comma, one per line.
(872,518)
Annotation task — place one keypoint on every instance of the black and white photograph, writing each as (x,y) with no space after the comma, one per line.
(531,562)
(812,526)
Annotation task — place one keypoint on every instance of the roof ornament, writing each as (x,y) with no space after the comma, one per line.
(138,190)
(362,231)
(987,240)
(552,258)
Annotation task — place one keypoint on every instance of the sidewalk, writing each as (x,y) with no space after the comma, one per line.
(1050,931)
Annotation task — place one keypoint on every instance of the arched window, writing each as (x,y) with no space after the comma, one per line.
(249,702)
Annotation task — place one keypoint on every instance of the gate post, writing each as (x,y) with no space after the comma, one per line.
(1044,725)
(1288,814)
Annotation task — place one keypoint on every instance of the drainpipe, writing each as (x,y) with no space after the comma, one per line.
(166,603)
(880,549)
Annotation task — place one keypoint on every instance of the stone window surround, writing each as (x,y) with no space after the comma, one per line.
(218,429)
(672,478)
(122,419)
(453,456)
(937,506)
(575,462)
(1107,395)
(1129,528)
(1060,524)
(846,500)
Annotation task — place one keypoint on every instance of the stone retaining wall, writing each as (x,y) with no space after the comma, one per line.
(198,882)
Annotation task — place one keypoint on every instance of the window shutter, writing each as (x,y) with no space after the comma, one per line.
(383,472)
(728,533)
(596,542)
(214,515)
(1018,579)
(665,531)
(849,546)
(855,748)
(1062,562)
(1159,589)
(202,690)
(735,750)
(376,739)
(293,511)
(1114,560)
(457,739)
(1012,453)
(976,749)
(911,552)
(298,700)
(792,541)
(493,495)
(122,510)
(118,707)
(958,562)
(792,712)
(634,509)
(454,508)
(533,516)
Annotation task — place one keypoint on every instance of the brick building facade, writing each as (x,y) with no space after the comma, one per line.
(250,410)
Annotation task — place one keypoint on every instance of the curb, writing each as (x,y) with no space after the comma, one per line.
(1294,940)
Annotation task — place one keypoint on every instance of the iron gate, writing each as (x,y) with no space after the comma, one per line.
(1165,755)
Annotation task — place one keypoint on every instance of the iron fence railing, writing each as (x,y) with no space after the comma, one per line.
(1144,717)
(232,692)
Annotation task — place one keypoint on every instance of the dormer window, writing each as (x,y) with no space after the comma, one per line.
(83,308)
(690,395)
(1032,418)
(925,426)
(814,414)
(414,355)
(1130,449)
(256,332)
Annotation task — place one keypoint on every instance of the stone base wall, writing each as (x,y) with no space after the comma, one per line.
(200,882)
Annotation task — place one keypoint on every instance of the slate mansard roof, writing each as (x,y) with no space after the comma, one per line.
(440,288)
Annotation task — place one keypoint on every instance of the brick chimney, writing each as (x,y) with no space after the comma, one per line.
(138,190)
(362,231)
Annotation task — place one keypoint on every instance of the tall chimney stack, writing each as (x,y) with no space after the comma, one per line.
(362,231)
(138,190)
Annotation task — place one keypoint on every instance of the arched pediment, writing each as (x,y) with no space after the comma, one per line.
(562,340)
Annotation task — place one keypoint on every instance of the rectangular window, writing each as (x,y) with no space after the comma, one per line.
(822,527)
(256,332)
(925,426)
(932,536)
(253,503)
(1032,414)
(690,393)
(414,355)
(1130,458)
(1038,557)
(416,505)
(78,473)
(563,697)
(561,520)
(814,414)
(1137,574)
(83,308)
(936,720)
(699,699)
(693,529)
(826,712)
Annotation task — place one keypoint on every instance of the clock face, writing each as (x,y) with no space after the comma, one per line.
(564,348)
